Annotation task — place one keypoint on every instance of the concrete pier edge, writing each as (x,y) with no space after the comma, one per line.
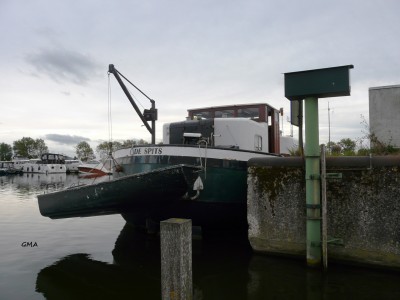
(363,209)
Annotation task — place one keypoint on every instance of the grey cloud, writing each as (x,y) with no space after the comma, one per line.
(66,139)
(64,65)
(66,93)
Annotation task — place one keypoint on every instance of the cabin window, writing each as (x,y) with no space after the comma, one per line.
(227,113)
(250,113)
(258,142)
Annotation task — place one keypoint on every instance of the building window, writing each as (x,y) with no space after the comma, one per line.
(250,113)
(202,115)
(228,113)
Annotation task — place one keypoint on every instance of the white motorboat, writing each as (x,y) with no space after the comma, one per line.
(47,164)
(72,165)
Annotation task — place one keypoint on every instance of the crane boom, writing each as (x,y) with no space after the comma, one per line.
(148,114)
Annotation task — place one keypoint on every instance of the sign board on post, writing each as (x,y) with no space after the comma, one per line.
(311,85)
(319,83)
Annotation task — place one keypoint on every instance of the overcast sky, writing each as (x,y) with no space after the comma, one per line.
(184,54)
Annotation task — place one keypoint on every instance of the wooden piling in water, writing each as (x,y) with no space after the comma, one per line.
(176,259)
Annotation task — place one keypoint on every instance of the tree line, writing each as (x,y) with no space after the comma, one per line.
(34,148)
(28,147)
(349,147)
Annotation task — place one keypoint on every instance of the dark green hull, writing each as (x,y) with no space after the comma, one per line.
(122,195)
(225,181)
(220,205)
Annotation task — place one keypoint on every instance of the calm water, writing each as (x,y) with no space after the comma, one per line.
(103,258)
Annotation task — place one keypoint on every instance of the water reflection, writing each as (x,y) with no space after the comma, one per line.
(135,275)
(136,271)
(77,276)
(223,268)
(286,279)
(33,183)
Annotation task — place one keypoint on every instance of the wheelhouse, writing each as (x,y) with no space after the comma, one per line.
(258,112)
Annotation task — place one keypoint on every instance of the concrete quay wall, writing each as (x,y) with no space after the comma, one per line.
(363,208)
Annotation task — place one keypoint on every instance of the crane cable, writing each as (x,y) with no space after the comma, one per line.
(113,164)
(109,112)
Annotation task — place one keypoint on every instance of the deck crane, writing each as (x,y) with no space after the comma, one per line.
(148,114)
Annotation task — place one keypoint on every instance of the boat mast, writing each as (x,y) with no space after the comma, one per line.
(148,114)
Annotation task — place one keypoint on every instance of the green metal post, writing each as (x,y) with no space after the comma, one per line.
(313,202)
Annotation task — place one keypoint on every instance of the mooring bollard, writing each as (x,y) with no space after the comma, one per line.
(176,259)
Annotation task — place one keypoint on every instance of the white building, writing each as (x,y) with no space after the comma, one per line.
(384,113)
